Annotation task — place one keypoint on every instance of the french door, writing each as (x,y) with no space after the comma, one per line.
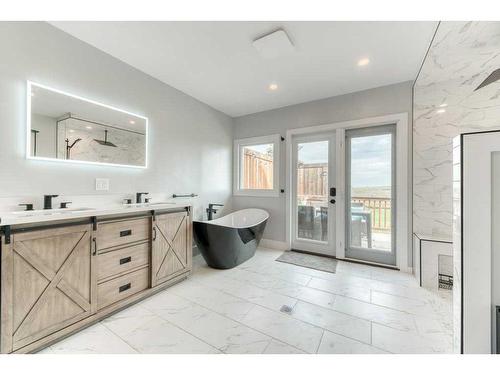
(313,193)
(370,186)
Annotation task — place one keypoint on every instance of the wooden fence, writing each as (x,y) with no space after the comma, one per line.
(257,170)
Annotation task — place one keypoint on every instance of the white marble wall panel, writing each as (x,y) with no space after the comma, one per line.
(461,56)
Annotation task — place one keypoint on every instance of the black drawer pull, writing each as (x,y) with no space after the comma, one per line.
(125,260)
(124,287)
(127,232)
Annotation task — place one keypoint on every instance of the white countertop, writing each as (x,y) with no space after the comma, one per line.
(38,216)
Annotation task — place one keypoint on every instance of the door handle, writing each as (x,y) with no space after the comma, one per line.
(333,192)
(332,201)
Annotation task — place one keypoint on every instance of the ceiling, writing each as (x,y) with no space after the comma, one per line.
(216,63)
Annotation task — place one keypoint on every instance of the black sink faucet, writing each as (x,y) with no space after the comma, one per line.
(138,197)
(47,201)
(211,210)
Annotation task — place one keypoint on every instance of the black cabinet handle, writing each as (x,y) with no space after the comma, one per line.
(125,260)
(154,234)
(95,245)
(125,233)
(124,287)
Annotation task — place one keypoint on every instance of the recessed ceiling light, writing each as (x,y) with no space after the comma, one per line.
(443,105)
(89,127)
(441,111)
(71,131)
(363,62)
(132,122)
(273,87)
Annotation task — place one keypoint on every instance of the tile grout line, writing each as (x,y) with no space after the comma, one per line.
(120,338)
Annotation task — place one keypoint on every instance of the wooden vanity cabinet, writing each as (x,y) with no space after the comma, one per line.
(57,279)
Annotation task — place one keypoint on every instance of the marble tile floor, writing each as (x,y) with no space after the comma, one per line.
(360,309)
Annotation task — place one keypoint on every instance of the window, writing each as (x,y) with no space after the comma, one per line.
(256,166)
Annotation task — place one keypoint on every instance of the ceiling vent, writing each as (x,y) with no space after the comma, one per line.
(493,77)
(275,44)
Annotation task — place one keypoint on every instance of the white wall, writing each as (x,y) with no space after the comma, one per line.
(369,103)
(190,148)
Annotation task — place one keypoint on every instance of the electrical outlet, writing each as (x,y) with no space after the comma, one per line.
(102,184)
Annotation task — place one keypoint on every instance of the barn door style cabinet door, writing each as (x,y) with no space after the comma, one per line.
(46,283)
(172,246)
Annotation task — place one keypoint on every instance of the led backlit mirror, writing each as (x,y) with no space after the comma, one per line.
(69,128)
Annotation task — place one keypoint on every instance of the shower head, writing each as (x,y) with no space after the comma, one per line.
(105,142)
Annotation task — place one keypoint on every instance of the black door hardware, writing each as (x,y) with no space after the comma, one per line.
(127,201)
(125,260)
(124,287)
(333,192)
(125,233)
(332,201)
(29,206)
(65,204)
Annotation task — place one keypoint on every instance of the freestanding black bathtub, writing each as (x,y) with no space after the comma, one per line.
(231,239)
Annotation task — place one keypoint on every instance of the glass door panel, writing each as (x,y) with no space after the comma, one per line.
(370,194)
(312,208)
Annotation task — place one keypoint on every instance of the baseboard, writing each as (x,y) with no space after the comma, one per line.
(272,244)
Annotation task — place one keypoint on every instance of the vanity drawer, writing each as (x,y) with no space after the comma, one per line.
(122,232)
(122,260)
(122,287)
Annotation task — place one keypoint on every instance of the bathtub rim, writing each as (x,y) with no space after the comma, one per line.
(216,221)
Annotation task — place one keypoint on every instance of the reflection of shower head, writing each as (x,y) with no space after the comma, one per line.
(105,142)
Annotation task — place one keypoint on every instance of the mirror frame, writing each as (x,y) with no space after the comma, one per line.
(30,84)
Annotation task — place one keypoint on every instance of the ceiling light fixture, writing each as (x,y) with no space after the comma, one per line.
(132,122)
(273,87)
(363,62)
(441,111)
(89,127)
(443,105)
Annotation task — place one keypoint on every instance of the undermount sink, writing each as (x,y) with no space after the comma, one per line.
(59,211)
(147,204)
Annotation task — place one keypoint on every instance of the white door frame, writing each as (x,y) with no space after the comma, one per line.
(403,198)
(306,244)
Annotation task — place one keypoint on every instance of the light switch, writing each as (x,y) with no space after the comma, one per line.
(102,184)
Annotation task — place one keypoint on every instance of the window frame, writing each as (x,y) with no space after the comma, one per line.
(275,140)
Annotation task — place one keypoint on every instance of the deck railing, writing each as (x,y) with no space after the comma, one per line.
(380,209)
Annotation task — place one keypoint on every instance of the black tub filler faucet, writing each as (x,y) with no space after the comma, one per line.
(211,210)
